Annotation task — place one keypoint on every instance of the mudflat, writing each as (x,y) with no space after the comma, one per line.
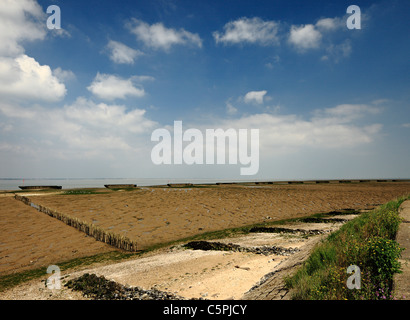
(158,215)
(152,215)
(30,239)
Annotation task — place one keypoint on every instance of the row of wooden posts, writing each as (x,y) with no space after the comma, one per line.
(115,240)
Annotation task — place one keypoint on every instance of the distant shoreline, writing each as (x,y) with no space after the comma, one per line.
(79,183)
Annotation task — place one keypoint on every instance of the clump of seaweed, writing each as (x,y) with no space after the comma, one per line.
(100,288)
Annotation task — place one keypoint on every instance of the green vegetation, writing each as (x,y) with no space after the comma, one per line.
(125,189)
(97,190)
(367,241)
(83,191)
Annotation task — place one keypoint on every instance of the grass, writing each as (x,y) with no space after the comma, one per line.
(79,191)
(85,191)
(368,242)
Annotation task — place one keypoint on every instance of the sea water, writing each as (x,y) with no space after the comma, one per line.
(14,184)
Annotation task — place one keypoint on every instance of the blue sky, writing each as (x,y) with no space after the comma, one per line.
(83,101)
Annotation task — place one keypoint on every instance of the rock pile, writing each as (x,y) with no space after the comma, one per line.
(265,250)
(321,220)
(100,288)
(287,230)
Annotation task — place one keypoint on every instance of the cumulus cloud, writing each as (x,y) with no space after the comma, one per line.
(314,36)
(246,30)
(120,53)
(23,78)
(104,116)
(83,126)
(110,87)
(305,37)
(20,21)
(255,96)
(329,24)
(157,36)
(63,75)
(330,128)
(12,111)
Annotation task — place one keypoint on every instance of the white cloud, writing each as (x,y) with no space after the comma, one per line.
(321,35)
(110,87)
(380,101)
(107,117)
(247,30)
(344,114)
(331,128)
(108,134)
(23,78)
(83,129)
(20,21)
(338,52)
(329,24)
(305,37)
(13,111)
(157,36)
(63,75)
(347,112)
(255,96)
(120,53)
(230,109)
